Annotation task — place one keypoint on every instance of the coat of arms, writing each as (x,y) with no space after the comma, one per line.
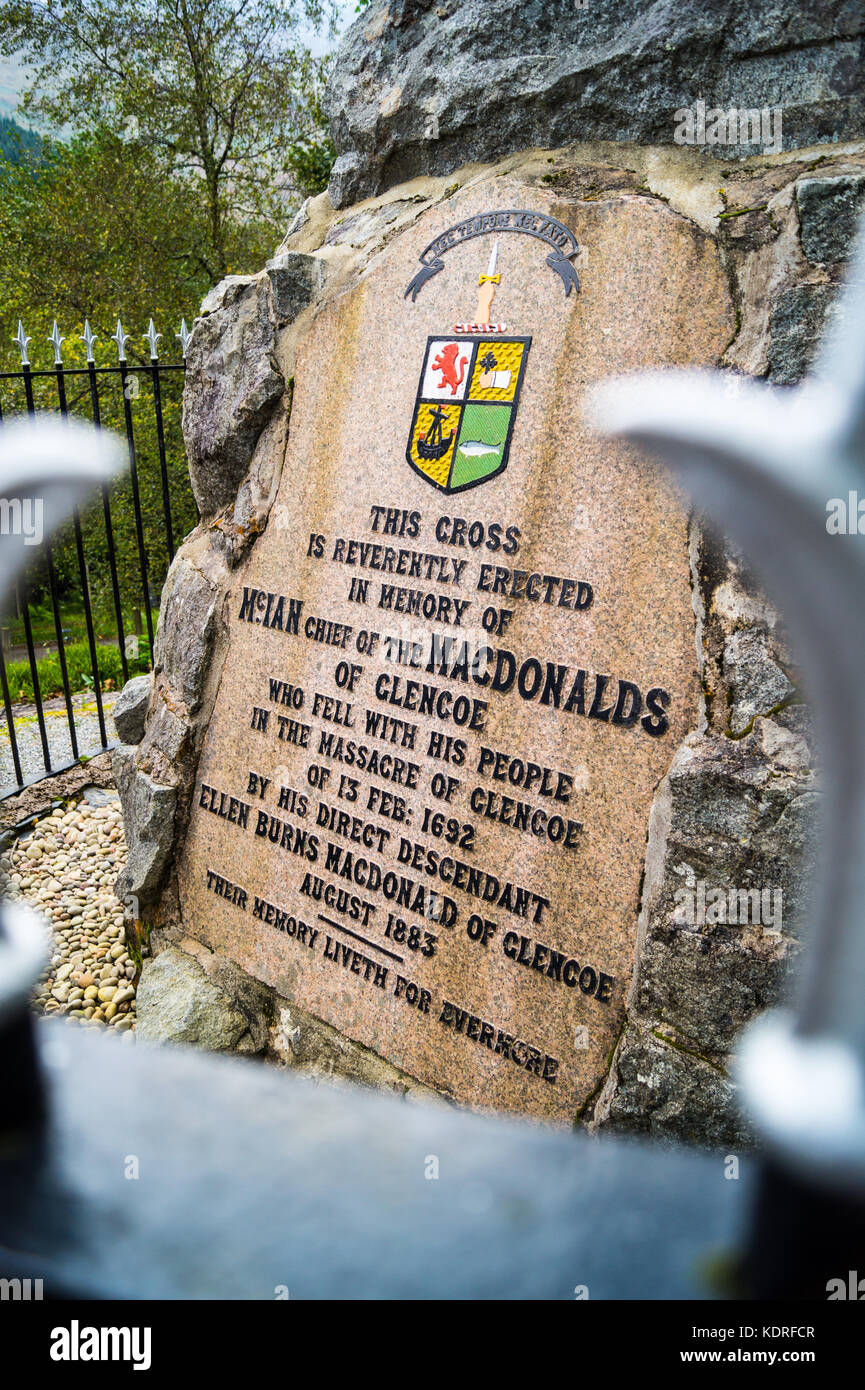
(467,398)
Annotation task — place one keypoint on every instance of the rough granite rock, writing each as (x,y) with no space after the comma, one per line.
(301,1041)
(735,815)
(425,86)
(238,526)
(295,280)
(177,1003)
(668,1093)
(130,709)
(187,623)
(829,210)
(166,745)
(148,815)
(755,683)
(232,386)
(796,325)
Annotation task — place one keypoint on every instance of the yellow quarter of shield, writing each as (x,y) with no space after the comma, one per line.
(436,469)
(499,382)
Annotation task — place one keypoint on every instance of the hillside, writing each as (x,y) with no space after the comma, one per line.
(15,141)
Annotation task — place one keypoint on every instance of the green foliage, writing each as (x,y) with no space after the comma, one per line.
(21,681)
(310,159)
(64,255)
(68,253)
(72,621)
(223,97)
(197,125)
(139,399)
(311,165)
(78,669)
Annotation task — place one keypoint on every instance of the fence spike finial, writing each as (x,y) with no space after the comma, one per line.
(184,335)
(22,340)
(56,342)
(88,338)
(121,339)
(152,338)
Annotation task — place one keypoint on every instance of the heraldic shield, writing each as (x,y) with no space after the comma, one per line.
(465,409)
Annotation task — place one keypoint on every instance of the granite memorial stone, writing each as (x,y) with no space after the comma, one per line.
(460,656)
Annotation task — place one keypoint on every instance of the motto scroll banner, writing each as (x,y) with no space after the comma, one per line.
(535,224)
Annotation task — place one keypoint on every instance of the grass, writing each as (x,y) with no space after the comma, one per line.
(72,622)
(78,668)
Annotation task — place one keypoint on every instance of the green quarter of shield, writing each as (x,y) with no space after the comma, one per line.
(481,444)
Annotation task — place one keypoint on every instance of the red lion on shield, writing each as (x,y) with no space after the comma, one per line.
(446,363)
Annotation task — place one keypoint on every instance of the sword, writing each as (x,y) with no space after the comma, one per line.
(491,276)
(486,296)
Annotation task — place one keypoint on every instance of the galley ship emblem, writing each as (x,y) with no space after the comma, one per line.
(467,398)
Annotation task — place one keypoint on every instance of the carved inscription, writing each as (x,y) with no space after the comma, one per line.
(459,661)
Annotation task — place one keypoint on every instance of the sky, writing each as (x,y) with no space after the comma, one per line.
(346,15)
(13,75)
(11,82)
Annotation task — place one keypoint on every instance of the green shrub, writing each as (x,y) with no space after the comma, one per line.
(141,663)
(81,672)
(50,677)
(78,669)
(20,680)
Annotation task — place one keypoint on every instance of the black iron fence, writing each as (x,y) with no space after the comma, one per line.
(84,615)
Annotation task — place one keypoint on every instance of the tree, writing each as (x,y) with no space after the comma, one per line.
(69,252)
(195,123)
(97,229)
(222,93)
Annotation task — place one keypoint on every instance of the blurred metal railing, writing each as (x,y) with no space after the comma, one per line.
(155,497)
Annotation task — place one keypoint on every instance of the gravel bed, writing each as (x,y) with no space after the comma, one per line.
(65,868)
(57,731)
